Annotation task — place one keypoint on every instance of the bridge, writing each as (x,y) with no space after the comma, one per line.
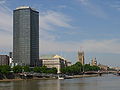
(103,72)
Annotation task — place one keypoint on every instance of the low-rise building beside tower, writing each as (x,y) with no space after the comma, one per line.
(54,61)
(4,60)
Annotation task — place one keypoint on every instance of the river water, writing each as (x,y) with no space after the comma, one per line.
(105,82)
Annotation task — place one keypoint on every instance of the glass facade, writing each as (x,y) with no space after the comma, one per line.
(26,37)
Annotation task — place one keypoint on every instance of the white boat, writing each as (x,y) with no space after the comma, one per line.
(59,77)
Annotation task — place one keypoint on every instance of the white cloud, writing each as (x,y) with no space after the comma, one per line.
(94,46)
(93,8)
(84,2)
(50,19)
(2,1)
(5,42)
(115,4)
(5,28)
(5,18)
(103,46)
(44,35)
(62,6)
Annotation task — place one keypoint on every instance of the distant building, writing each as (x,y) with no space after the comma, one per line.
(94,62)
(54,61)
(81,57)
(26,36)
(103,67)
(116,68)
(4,60)
(11,63)
(69,63)
(10,58)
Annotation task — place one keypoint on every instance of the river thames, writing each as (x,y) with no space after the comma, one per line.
(105,82)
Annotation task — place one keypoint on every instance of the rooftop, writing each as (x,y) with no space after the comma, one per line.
(47,56)
(51,57)
(25,7)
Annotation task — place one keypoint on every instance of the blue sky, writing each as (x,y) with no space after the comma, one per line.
(67,26)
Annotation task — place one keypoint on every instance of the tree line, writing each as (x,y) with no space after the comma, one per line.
(76,68)
(5,69)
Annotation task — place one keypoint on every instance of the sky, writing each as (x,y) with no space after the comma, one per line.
(69,26)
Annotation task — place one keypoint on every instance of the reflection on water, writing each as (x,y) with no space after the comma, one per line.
(107,82)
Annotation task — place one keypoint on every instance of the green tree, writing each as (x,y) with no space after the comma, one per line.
(52,70)
(87,67)
(26,68)
(95,68)
(17,69)
(78,64)
(37,69)
(66,70)
(43,69)
(74,69)
(5,69)
(63,70)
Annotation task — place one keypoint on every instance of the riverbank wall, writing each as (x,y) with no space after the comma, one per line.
(18,77)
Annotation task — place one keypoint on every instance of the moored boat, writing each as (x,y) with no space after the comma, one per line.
(60,77)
